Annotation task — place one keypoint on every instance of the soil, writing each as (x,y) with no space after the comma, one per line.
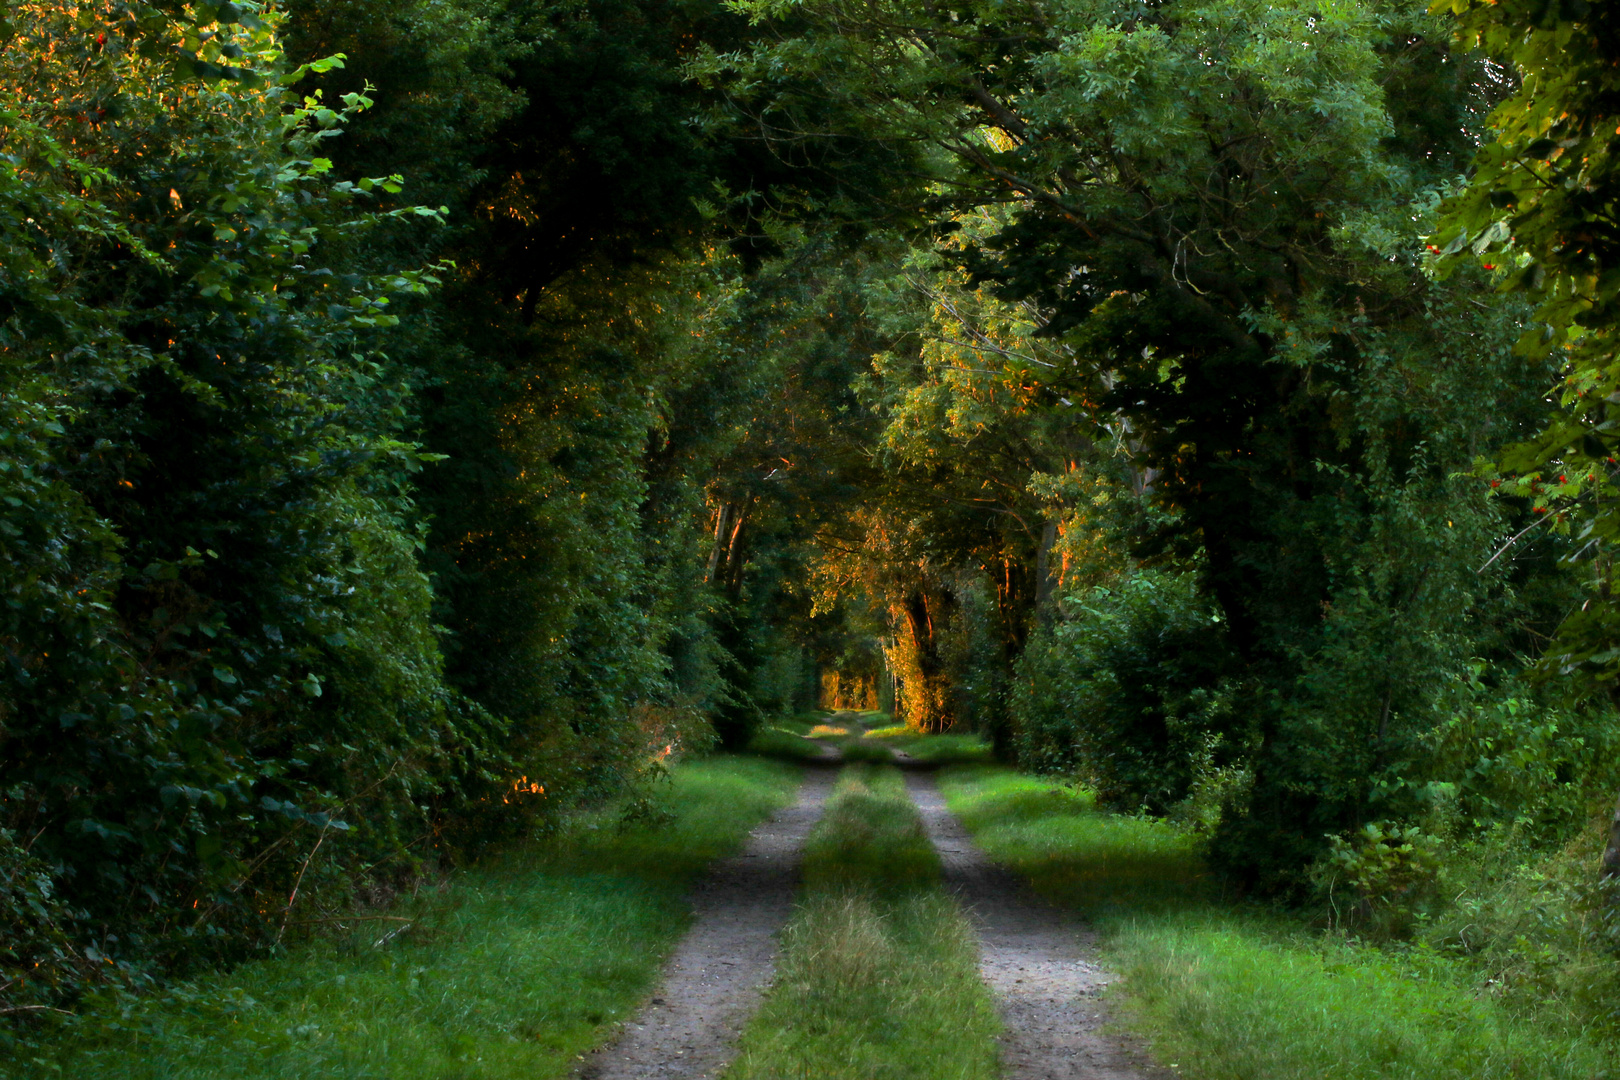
(1040,964)
(717,976)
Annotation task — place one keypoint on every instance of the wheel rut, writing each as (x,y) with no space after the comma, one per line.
(1039,963)
(717,976)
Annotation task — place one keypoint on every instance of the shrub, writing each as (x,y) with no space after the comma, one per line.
(1130,690)
(1391,873)
(220,667)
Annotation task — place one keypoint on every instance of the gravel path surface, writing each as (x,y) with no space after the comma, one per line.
(714,981)
(1038,962)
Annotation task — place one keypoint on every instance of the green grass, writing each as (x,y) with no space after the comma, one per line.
(873,737)
(879,977)
(808,736)
(946,749)
(1226,990)
(866,750)
(784,743)
(870,839)
(515,968)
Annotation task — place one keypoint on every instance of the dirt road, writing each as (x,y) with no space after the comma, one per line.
(714,981)
(1039,963)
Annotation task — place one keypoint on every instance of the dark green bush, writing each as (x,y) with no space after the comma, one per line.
(1130,691)
(222,688)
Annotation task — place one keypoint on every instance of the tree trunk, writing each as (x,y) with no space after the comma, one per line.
(722,533)
(736,552)
(923,692)
(1046,579)
(730,543)
(1611,850)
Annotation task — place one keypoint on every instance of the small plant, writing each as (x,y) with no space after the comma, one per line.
(1391,873)
(645,812)
(1215,792)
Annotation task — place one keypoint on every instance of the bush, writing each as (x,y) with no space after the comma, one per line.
(1130,690)
(220,666)
(43,958)
(1391,874)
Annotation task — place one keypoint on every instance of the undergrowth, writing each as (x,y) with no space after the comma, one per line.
(1223,988)
(514,967)
(1532,925)
(878,978)
(784,744)
(790,738)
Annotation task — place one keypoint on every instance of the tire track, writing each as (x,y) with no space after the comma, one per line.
(717,976)
(1039,963)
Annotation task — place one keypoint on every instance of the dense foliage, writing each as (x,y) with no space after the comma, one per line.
(1175,268)
(260,662)
(1542,211)
(218,638)
(422,419)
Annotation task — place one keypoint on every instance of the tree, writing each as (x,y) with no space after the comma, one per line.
(1209,206)
(1542,212)
(220,658)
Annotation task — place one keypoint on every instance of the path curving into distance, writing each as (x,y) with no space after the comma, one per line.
(717,976)
(1039,963)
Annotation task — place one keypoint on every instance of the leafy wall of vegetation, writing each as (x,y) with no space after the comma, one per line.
(1133,379)
(342,536)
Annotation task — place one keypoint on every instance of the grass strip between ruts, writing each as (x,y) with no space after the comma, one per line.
(1223,990)
(879,978)
(514,969)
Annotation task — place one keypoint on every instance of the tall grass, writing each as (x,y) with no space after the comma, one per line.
(1533,923)
(879,975)
(784,744)
(515,967)
(1226,989)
